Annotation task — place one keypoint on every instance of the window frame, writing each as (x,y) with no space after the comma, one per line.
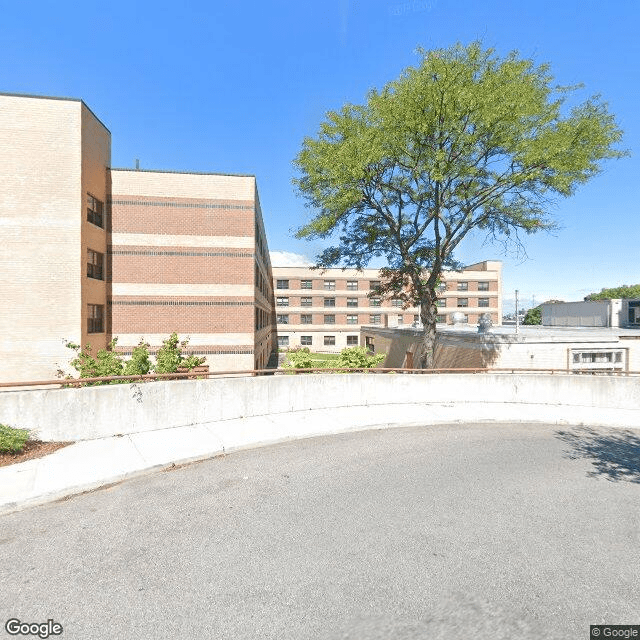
(95,211)
(95,268)
(95,321)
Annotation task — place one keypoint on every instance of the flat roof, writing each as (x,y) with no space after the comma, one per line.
(195,173)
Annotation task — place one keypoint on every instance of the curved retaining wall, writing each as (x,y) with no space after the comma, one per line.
(369,400)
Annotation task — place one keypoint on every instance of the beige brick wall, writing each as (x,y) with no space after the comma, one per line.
(40,226)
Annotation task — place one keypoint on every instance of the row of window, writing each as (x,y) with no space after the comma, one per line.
(330,318)
(283,301)
(328,341)
(328,285)
(352,285)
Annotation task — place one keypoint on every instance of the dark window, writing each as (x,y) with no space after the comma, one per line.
(352,285)
(463,286)
(282,284)
(282,318)
(375,302)
(95,318)
(329,302)
(352,302)
(329,341)
(396,302)
(440,319)
(282,301)
(306,284)
(283,341)
(440,302)
(306,302)
(352,319)
(463,302)
(483,286)
(330,319)
(483,302)
(306,318)
(374,318)
(330,285)
(95,262)
(352,341)
(306,341)
(374,285)
(95,212)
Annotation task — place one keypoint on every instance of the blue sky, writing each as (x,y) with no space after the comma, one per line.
(233,87)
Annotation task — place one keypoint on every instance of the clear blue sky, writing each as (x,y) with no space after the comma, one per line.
(234,86)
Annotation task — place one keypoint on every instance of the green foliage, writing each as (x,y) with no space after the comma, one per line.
(12,440)
(170,357)
(625,291)
(140,362)
(533,316)
(358,358)
(106,363)
(464,141)
(301,358)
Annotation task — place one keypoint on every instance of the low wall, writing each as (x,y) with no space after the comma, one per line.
(97,412)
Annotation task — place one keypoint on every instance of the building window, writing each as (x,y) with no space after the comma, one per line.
(416,317)
(95,318)
(306,284)
(440,302)
(329,341)
(374,285)
(352,302)
(442,286)
(352,341)
(483,286)
(375,302)
(400,320)
(463,302)
(95,262)
(463,286)
(440,319)
(306,318)
(352,285)
(283,341)
(282,318)
(330,318)
(330,285)
(306,341)
(396,302)
(306,302)
(282,301)
(370,344)
(282,284)
(374,318)
(483,302)
(352,319)
(329,302)
(95,211)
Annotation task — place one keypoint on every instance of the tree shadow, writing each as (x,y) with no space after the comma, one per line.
(614,454)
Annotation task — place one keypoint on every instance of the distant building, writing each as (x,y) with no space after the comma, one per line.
(90,252)
(594,313)
(324,309)
(596,350)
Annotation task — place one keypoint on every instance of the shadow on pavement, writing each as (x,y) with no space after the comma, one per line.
(615,455)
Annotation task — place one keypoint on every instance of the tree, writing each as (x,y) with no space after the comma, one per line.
(533,316)
(625,291)
(464,141)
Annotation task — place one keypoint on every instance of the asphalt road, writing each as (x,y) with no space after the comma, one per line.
(479,531)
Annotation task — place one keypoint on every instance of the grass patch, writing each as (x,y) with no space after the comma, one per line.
(12,440)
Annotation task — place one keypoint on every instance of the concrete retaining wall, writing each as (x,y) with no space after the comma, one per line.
(98,412)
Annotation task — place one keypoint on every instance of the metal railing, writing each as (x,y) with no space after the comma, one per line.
(152,377)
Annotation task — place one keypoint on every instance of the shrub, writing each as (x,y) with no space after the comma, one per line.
(106,363)
(170,356)
(300,358)
(140,363)
(357,358)
(12,440)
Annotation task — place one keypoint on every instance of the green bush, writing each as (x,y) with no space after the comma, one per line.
(300,358)
(140,363)
(358,358)
(106,363)
(12,440)
(170,356)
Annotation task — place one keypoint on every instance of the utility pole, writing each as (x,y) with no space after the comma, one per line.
(517,315)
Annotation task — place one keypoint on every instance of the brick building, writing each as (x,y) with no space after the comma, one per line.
(90,252)
(324,309)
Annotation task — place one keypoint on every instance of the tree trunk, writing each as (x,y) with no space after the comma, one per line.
(428,312)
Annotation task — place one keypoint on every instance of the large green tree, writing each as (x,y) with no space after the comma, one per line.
(466,140)
(625,291)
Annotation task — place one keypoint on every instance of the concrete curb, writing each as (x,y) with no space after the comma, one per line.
(93,464)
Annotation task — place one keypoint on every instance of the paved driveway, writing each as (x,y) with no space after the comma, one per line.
(478,531)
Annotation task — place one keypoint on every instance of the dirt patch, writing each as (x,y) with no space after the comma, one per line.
(32,449)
